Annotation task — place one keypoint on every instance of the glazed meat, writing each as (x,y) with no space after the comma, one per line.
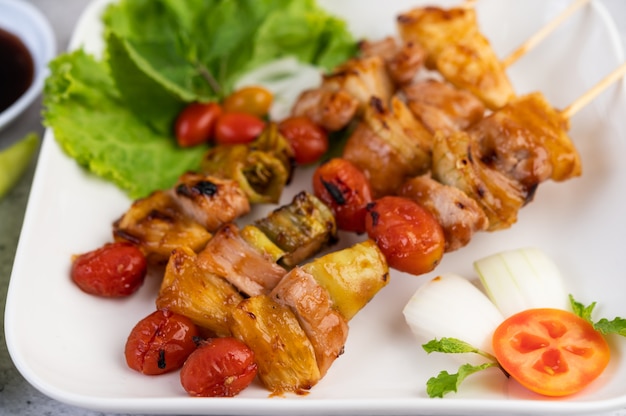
(389,145)
(211,201)
(442,107)
(332,110)
(233,258)
(157,226)
(459,215)
(326,328)
(456,163)
(527,140)
(402,61)
(345,92)
(455,47)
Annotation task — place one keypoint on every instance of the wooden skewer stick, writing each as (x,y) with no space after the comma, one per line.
(541,34)
(593,92)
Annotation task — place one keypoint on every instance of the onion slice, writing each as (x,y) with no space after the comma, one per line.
(451,306)
(521,279)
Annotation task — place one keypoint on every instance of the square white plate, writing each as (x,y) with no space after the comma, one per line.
(70,345)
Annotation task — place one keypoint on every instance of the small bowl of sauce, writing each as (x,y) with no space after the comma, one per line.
(27,44)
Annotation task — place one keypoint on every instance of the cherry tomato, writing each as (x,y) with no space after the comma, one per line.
(407,234)
(113,270)
(220,367)
(251,100)
(233,128)
(308,140)
(196,123)
(345,190)
(550,351)
(161,342)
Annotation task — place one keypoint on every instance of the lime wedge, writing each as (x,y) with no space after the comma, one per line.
(14,161)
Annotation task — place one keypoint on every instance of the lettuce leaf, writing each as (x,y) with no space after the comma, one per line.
(195,51)
(92,124)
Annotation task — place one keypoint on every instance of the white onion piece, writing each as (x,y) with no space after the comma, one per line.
(452,307)
(285,78)
(521,279)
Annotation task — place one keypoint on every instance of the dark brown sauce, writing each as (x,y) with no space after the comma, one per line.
(16,68)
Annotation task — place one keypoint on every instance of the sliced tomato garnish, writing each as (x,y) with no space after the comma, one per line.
(550,351)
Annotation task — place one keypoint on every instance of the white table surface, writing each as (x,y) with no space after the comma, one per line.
(17,397)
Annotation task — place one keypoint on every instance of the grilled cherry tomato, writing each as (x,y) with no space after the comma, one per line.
(219,367)
(113,270)
(196,123)
(252,100)
(234,128)
(161,342)
(407,234)
(550,351)
(345,189)
(308,140)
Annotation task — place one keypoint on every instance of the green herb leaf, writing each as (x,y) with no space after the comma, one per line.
(446,382)
(581,310)
(604,326)
(94,126)
(615,326)
(449,346)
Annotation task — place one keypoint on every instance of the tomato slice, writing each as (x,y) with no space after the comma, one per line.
(550,351)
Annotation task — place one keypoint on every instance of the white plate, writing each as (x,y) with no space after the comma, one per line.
(31,26)
(69,345)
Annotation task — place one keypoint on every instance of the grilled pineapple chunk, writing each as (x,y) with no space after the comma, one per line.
(301,228)
(258,239)
(351,276)
(284,354)
(204,297)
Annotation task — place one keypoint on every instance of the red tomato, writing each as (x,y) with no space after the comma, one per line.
(252,100)
(407,234)
(233,128)
(114,270)
(196,123)
(220,367)
(308,140)
(345,189)
(550,351)
(161,342)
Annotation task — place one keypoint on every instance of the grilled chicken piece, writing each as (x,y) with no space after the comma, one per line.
(332,110)
(389,146)
(156,225)
(324,326)
(231,257)
(456,48)
(459,215)
(345,92)
(352,276)
(527,140)
(283,353)
(362,78)
(204,297)
(301,228)
(456,162)
(442,107)
(402,61)
(209,200)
